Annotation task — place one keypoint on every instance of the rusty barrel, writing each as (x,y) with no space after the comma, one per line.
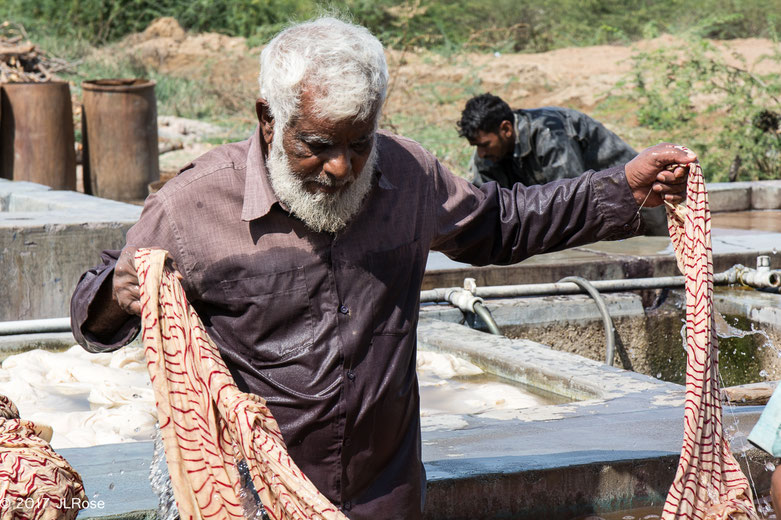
(36,134)
(119,133)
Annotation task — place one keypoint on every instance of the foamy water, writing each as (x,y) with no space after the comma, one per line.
(86,398)
(91,399)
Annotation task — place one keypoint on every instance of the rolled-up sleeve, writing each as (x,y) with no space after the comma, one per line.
(494,225)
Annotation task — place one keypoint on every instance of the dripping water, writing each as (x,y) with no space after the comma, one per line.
(161,485)
(724,330)
(161,481)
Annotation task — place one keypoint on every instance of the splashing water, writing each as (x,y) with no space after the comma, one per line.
(161,482)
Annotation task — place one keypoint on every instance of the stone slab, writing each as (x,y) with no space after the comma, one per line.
(766,195)
(48,238)
(732,196)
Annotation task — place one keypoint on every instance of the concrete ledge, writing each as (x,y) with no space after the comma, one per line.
(16,344)
(616,450)
(741,196)
(729,196)
(48,238)
(766,195)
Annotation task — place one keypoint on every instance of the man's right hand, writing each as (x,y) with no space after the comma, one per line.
(126,292)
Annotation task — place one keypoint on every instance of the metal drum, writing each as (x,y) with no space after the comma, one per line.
(36,134)
(119,132)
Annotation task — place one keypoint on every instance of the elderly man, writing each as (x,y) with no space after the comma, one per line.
(541,145)
(303,250)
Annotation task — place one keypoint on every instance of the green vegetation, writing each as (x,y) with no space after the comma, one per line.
(734,113)
(508,25)
(726,111)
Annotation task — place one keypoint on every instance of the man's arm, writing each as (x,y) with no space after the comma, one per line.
(493,225)
(105,304)
(98,323)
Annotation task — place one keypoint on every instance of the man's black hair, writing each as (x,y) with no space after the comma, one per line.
(483,113)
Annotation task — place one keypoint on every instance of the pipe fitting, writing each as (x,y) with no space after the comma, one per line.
(463,299)
(760,278)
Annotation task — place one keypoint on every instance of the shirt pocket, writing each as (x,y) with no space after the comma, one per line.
(398,273)
(272,312)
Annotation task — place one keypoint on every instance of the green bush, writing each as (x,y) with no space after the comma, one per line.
(98,21)
(512,25)
(691,90)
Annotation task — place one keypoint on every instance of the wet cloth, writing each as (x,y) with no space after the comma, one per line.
(709,483)
(766,434)
(36,483)
(207,424)
(322,325)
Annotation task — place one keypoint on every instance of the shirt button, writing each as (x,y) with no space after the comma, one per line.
(351,375)
(348,441)
(343,309)
(347,505)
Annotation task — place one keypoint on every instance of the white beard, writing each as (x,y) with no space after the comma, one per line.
(319,211)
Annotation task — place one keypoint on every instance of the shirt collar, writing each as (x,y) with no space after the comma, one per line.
(259,196)
(522,145)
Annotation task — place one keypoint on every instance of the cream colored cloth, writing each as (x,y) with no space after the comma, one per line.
(36,483)
(207,424)
(709,483)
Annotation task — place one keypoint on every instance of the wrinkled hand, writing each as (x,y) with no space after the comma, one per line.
(660,169)
(126,292)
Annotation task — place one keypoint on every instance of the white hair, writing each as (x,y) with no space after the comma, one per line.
(345,63)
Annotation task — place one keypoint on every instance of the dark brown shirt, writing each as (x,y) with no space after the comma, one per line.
(323,326)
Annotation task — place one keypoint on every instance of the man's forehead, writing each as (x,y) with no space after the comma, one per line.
(481,137)
(310,119)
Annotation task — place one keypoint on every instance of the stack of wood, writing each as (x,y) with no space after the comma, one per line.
(22,61)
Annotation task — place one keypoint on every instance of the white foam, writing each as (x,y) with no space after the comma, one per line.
(87,399)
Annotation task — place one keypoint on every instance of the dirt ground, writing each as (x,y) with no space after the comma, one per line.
(430,88)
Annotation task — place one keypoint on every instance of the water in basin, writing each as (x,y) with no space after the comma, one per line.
(90,399)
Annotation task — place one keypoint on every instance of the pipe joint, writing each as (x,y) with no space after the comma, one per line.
(463,299)
(762,277)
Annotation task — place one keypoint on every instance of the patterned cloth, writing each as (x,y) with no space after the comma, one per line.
(208,425)
(35,482)
(709,483)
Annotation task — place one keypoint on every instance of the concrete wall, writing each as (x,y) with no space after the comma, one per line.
(48,239)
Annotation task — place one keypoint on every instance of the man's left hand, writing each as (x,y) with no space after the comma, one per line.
(662,170)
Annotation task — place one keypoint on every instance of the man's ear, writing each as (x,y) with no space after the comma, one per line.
(266,121)
(506,129)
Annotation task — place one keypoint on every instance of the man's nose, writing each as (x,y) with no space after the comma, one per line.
(339,164)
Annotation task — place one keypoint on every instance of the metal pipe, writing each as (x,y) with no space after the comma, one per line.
(8,328)
(482,311)
(736,274)
(610,331)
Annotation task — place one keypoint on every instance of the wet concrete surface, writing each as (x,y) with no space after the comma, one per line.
(740,222)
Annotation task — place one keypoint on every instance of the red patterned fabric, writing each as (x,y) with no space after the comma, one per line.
(36,483)
(709,483)
(207,424)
